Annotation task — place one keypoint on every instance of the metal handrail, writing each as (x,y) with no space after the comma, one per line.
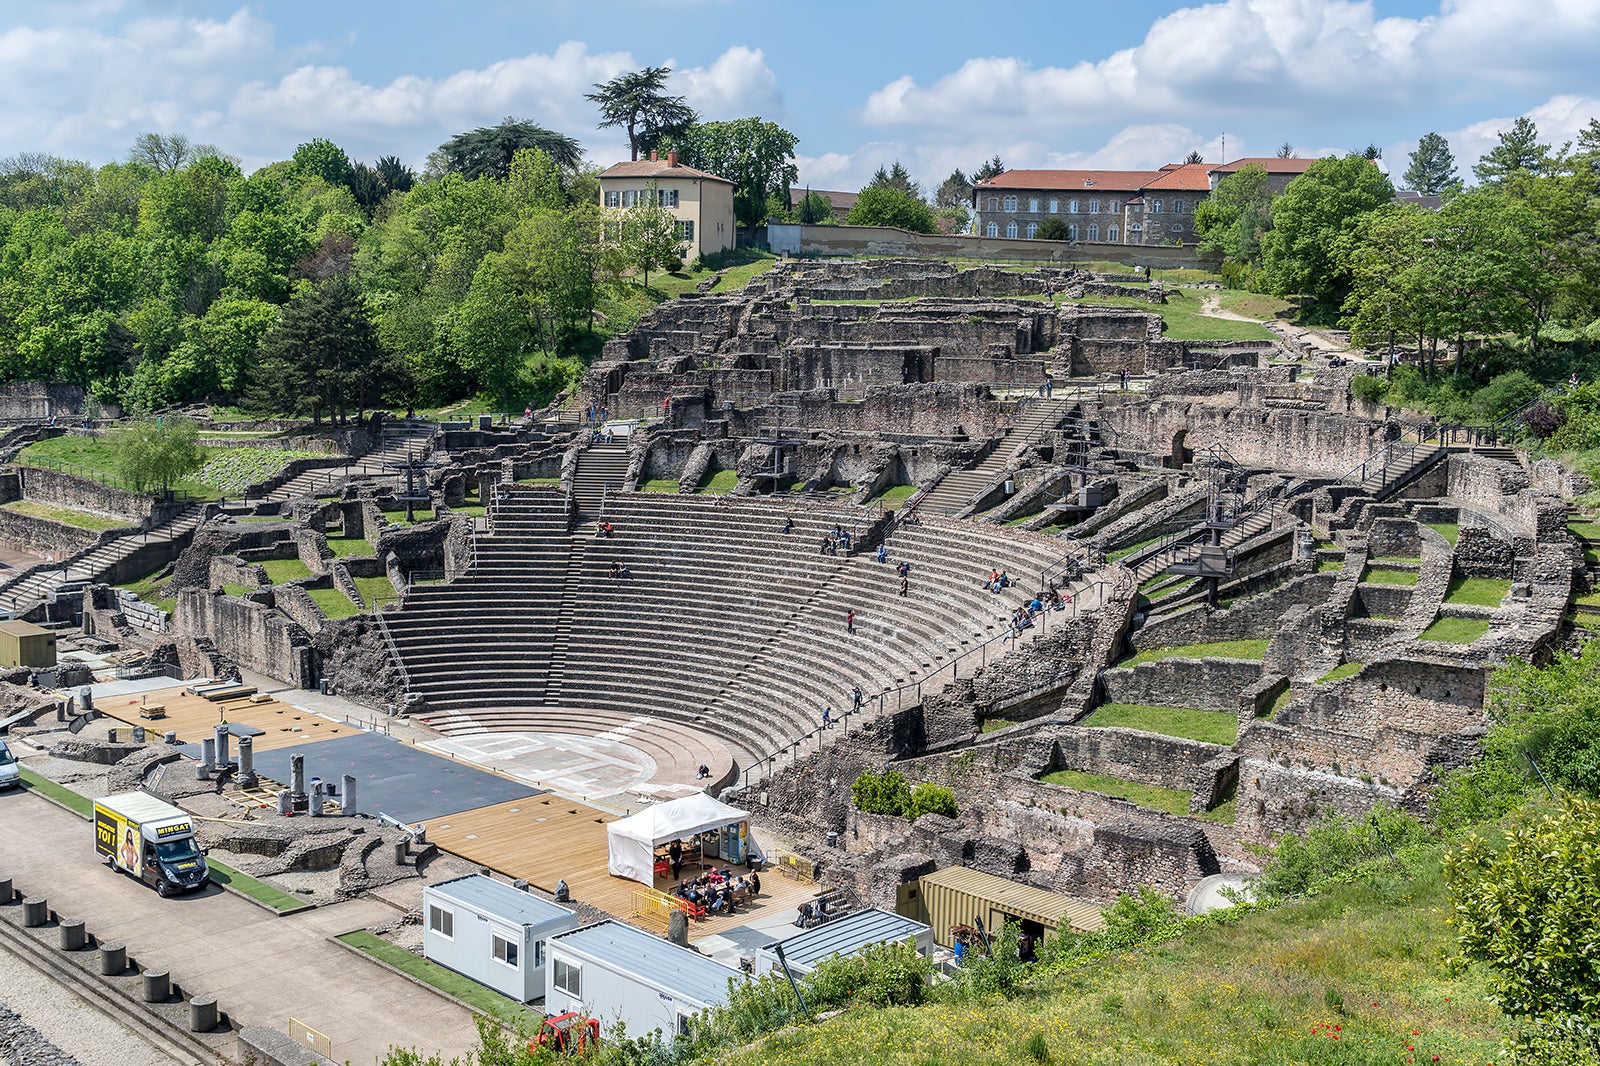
(394,650)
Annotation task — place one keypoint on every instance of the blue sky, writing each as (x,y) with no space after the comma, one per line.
(935,84)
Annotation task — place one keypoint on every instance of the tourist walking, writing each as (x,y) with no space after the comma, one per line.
(850,621)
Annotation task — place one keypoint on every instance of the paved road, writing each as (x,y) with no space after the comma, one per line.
(262,968)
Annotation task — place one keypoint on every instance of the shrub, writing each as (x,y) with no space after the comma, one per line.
(932,799)
(1334,848)
(1369,388)
(882,975)
(885,793)
(1504,394)
(1542,419)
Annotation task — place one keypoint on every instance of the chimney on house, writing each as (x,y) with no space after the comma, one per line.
(653,156)
(672,158)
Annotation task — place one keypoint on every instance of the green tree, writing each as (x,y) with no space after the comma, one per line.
(1518,152)
(649,237)
(322,355)
(1528,906)
(488,150)
(896,177)
(814,209)
(885,793)
(883,205)
(954,191)
(1237,215)
(1052,229)
(1194,157)
(534,182)
(757,156)
(929,798)
(1285,151)
(165,152)
(155,454)
(1433,167)
(993,168)
(324,159)
(1313,220)
(1386,295)
(637,102)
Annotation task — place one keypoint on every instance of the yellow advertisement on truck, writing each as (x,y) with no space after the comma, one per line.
(150,839)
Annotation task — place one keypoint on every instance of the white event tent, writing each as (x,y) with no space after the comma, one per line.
(632,841)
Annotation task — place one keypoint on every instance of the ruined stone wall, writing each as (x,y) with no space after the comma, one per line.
(1302,441)
(82,494)
(252,634)
(33,401)
(55,539)
(1204,684)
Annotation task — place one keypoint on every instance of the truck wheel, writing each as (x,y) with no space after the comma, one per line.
(162,889)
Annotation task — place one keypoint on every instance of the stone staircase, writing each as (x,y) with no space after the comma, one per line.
(561,642)
(401,441)
(97,562)
(601,469)
(953,493)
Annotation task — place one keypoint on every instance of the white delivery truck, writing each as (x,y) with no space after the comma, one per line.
(152,840)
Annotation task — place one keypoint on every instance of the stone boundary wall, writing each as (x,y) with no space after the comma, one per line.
(33,401)
(1204,684)
(82,494)
(255,636)
(41,535)
(887,240)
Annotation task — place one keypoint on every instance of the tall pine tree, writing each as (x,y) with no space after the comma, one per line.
(1433,167)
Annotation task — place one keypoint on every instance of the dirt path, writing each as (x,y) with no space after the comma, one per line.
(1211,306)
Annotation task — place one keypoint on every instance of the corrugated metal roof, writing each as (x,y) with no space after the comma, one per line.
(1026,901)
(489,896)
(848,935)
(651,960)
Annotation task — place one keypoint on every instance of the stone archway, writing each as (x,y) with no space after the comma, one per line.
(1181,455)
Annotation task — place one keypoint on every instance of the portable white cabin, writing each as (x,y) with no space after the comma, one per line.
(617,973)
(844,937)
(491,932)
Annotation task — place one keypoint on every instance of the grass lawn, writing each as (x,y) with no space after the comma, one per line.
(94,458)
(281,570)
(480,997)
(418,516)
(259,891)
(1171,800)
(239,590)
(720,482)
(659,484)
(1123,553)
(376,590)
(539,481)
(1479,591)
(893,497)
(344,547)
(1253,304)
(1450,531)
(262,518)
(1455,630)
(1329,566)
(1412,559)
(1390,577)
(66,516)
(1343,670)
(991,724)
(1585,530)
(1212,727)
(471,510)
(60,793)
(333,603)
(1182,317)
(1368,956)
(1223,649)
(149,591)
(1279,702)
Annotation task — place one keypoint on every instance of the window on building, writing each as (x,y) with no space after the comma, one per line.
(630,197)
(1094,207)
(538,953)
(1115,207)
(1055,207)
(1177,207)
(992,230)
(441,921)
(1033,205)
(1111,234)
(505,950)
(667,197)
(1011,229)
(685,229)
(567,977)
(1155,207)
(1072,232)
(613,198)
(1010,205)
(1094,231)
(994,204)
(1072,207)
(1033,228)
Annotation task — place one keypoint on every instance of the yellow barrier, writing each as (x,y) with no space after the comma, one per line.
(318,1042)
(652,907)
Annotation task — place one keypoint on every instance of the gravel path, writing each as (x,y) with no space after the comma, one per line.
(45,1024)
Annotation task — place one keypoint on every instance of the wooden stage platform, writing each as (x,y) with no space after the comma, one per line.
(546,838)
(195,718)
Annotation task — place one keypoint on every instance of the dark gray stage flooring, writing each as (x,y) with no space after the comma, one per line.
(395,778)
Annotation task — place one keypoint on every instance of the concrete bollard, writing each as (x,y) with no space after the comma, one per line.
(7,891)
(111,736)
(73,936)
(138,734)
(35,912)
(202,1014)
(401,850)
(157,986)
(347,793)
(113,959)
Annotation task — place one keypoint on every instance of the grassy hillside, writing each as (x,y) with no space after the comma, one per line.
(1359,974)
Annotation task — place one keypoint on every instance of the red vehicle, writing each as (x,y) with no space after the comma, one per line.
(569,1033)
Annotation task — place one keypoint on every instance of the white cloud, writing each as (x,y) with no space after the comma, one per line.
(739,83)
(1264,58)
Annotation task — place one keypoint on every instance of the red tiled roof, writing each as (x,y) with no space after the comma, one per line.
(1183,177)
(842,201)
(1074,180)
(657,168)
(1271,165)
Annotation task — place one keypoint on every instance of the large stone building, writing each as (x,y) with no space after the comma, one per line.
(701,203)
(1111,206)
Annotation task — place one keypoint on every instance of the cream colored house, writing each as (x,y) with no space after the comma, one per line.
(702,203)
